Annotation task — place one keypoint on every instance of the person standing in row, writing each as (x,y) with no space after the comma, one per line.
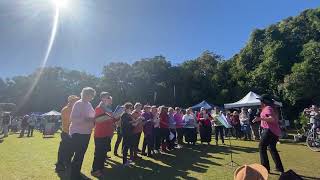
(82,123)
(65,152)
(205,126)
(103,132)
(156,130)
(148,131)
(179,126)
(217,125)
(270,133)
(236,124)
(172,129)
(245,125)
(138,127)
(254,126)
(190,127)
(24,125)
(127,133)
(119,138)
(32,123)
(164,128)
(6,123)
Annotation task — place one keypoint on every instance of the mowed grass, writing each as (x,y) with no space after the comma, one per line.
(34,158)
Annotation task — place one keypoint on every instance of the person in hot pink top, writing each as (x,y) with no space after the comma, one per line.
(82,122)
(179,125)
(270,133)
(266,113)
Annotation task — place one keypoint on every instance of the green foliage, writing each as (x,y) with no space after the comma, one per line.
(303,120)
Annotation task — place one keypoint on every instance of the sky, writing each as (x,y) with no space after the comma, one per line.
(93,33)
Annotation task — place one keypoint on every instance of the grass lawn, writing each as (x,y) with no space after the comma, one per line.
(34,158)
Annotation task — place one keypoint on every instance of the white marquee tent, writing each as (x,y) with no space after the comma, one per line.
(249,100)
(52,113)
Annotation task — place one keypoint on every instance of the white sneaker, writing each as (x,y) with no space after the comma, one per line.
(156,151)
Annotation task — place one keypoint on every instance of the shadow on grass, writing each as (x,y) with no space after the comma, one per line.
(65,175)
(173,165)
(309,178)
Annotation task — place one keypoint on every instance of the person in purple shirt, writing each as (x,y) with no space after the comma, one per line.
(82,122)
(147,130)
(179,126)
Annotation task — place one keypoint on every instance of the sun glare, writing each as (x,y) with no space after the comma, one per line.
(60,3)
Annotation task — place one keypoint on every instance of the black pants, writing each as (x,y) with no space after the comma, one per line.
(100,151)
(219,130)
(119,139)
(190,135)
(136,142)
(269,139)
(128,144)
(164,134)
(79,145)
(30,131)
(157,138)
(255,130)
(180,133)
(22,131)
(237,129)
(205,133)
(65,151)
(148,142)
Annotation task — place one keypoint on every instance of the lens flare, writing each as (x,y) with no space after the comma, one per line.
(60,3)
(46,57)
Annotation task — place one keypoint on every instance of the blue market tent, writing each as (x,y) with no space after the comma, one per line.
(202,104)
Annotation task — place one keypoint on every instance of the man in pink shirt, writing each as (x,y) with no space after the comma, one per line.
(270,134)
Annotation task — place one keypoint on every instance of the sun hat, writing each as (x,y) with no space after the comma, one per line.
(267,99)
(251,172)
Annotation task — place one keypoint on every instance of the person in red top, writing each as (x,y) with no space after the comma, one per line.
(205,126)
(138,127)
(270,134)
(235,121)
(103,132)
(164,128)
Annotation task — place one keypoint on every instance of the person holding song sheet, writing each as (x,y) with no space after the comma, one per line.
(138,127)
(217,125)
(103,132)
(204,125)
(190,127)
(172,129)
(245,125)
